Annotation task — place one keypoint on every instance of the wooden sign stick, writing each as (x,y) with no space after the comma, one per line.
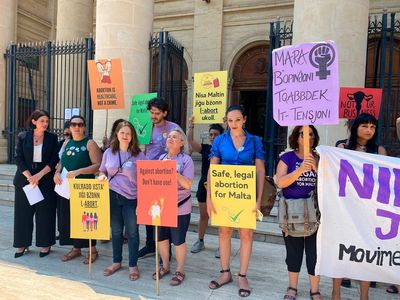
(90,255)
(306,139)
(105,130)
(157,261)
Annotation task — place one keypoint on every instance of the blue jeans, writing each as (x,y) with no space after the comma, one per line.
(123,212)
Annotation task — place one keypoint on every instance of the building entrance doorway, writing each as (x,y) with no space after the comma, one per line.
(254,104)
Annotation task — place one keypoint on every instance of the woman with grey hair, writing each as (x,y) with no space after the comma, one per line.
(185,172)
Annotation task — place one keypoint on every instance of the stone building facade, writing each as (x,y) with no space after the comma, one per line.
(228,35)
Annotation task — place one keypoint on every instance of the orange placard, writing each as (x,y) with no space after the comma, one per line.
(106,85)
(157,193)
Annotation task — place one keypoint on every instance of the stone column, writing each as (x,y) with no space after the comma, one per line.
(74,19)
(8,24)
(123,29)
(346,23)
(207,44)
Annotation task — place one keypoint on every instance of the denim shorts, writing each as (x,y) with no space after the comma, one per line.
(176,235)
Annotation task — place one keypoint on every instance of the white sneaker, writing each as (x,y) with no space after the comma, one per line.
(197,247)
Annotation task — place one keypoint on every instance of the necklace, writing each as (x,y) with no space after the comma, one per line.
(362,147)
(36,139)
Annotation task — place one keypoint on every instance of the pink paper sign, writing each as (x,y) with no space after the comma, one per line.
(306,84)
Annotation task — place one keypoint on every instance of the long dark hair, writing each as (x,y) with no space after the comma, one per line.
(133,147)
(363,118)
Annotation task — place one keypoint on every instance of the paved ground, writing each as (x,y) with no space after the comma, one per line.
(31,277)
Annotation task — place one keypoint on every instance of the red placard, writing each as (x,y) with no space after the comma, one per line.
(354,101)
(157,187)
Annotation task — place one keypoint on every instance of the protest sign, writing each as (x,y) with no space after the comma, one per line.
(305,84)
(90,209)
(359,199)
(140,117)
(157,193)
(354,101)
(209,97)
(233,193)
(106,85)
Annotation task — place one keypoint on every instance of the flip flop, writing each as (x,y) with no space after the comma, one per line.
(392,289)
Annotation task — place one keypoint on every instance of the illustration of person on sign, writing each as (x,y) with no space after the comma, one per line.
(104,70)
(155,212)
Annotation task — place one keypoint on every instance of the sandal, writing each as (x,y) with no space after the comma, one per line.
(134,275)
(312,295)
(177,278)
(161,273)
(243,292)
(110,270)
(290,297)
(95,256)
(74,253)
(392,289)
(217,285)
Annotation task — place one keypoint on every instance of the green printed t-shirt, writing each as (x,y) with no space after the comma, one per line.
(76,156)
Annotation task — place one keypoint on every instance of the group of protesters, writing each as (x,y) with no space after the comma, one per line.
(41,159)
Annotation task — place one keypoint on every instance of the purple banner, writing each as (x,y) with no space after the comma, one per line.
(306,84)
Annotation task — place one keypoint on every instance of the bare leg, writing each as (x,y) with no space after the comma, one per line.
(180,254)
(336,285)
(163,249)
(225,234)
(246,245)
(364,288)
(314,284)
(203,223)
(293,282)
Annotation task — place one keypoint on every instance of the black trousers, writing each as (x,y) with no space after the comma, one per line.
(64,225)
(295,247)
(45,218)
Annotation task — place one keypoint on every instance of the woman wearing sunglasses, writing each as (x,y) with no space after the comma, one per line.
(81,158)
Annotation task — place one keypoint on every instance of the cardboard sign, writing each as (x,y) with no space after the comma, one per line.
(233,193)
(354,101)
(140,117)
(209,97)
(157,186)
(358,195)
(106,85)
(90,209)
(306,84)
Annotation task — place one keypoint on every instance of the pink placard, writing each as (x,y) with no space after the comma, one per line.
(306,84)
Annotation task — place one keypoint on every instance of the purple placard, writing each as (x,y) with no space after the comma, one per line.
(306,84)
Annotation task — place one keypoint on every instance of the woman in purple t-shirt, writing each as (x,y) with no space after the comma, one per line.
(296,175)
(119,167)
(185,173)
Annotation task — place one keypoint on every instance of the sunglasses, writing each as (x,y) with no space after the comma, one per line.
(80,124)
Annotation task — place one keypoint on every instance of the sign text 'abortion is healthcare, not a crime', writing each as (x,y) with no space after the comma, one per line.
(305,84)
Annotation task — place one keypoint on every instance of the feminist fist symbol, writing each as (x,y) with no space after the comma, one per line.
(321,57)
